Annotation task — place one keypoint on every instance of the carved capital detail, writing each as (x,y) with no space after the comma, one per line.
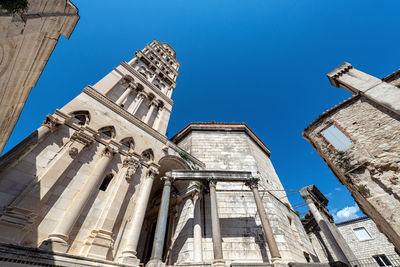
(73,151)
(132,165)
(212,181)
(51,122)
(108,152)
(152,172)
(252,183)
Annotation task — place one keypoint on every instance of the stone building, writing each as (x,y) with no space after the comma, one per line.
(357,242)
(26,43)
(370,246)
(358,140)
(99,184)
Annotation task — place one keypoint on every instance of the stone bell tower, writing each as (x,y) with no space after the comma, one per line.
(79,185)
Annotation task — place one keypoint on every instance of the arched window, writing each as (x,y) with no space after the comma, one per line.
(127,144)
(107,132)
(147,155)
(106,181)
(81,117)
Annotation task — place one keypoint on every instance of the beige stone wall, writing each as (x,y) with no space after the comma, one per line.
(26,44)
(370,167)
(242,233)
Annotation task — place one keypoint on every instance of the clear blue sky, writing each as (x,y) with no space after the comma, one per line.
(259,62)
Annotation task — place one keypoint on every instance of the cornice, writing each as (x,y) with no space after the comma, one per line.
(191,157)
(163,72)
(90,91)
(337,72)
(145,81)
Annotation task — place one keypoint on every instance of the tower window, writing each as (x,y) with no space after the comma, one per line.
(337,138)
(106,182)
(362,233)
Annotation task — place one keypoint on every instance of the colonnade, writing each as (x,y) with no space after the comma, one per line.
(129,254)
(141,96)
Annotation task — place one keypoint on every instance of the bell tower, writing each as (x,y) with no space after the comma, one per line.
(143,86)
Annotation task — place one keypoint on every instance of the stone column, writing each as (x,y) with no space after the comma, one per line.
(135,225)
(17,153)
(169,93)
(124,95)
(197,235)
(136,105)
(215,226)
(158,119)
(323,225)
(159,236)
(18,216)
(269,235)
(153,105)
(101,239)
(57,241)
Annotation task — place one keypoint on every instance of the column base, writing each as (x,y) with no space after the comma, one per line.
(98,244)
(218,263)
(155,263)
(55,243)
(130,260)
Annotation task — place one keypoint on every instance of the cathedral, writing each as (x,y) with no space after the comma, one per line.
(99,184)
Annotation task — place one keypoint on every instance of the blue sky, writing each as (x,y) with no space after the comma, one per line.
(259,62)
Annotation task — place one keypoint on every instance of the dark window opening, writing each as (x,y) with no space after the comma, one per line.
(382,260)
(106,182)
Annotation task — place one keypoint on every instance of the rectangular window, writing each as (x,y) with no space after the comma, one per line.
(362,234)
(338,139)
(382,260)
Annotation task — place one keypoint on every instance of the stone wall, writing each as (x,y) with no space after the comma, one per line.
(242,233)
(26,43)
(371,166)
(365,249)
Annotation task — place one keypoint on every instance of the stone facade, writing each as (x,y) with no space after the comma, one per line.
(366,156)
(231,146)
(364,250)
(99,184)
(26,43)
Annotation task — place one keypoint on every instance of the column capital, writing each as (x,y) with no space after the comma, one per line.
(167,179)
(252,182)
(212,181)
(108,152)
(132,165)
(51,122)
(196,195)
(142,95)
(152,172)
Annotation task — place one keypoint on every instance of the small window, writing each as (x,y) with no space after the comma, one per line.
(106,182)
(382,260)
(362,234)
(338,139)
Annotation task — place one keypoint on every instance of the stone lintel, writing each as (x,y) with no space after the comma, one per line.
(223,176)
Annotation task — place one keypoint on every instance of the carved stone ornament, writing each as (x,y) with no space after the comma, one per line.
(73,151)
(212,181)
(108,152)
(152,172)
(132,166)
(82,138)
(252,183)
(51,122)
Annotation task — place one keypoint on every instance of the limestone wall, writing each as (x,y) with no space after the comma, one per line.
(26,44)
(242,233)
(370,167)
(365,249)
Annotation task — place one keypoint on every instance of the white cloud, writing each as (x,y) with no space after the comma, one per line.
(347,213)
(338,188)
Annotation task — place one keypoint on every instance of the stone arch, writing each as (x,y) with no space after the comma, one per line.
(127,144)
(107,132)
(80,117)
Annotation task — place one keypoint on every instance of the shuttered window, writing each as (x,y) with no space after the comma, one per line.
(338,139)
